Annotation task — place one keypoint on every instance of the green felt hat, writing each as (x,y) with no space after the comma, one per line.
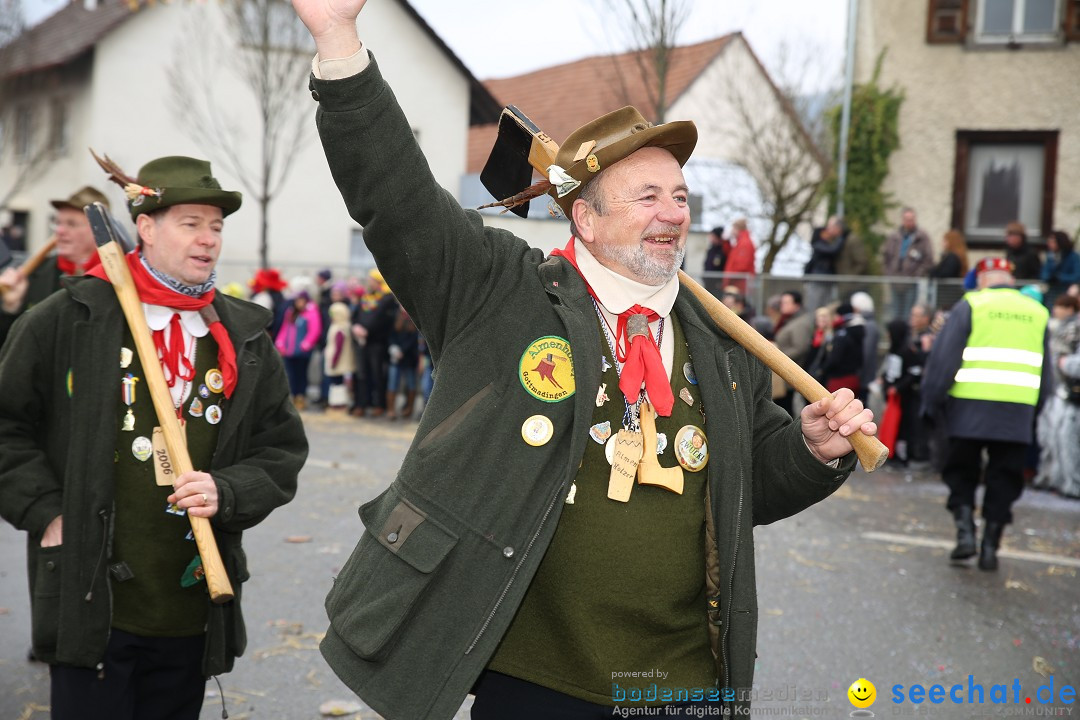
(178,180)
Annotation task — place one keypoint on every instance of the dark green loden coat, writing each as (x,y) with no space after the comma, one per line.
(56,457)
(42,283)
(450,547)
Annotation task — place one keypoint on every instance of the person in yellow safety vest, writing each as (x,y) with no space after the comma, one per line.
(987,374)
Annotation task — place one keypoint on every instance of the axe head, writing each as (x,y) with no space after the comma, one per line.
(508,171)
(106,229)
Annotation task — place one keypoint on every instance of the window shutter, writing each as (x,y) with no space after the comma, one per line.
(946,21)
(1072,20)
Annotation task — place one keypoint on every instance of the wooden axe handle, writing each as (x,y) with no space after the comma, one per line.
(37,258)
(116,267)
(34,261)
(872,454)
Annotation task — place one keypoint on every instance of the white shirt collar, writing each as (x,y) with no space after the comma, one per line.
(618,293)
(158,317)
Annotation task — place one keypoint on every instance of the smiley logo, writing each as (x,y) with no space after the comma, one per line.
(862,693)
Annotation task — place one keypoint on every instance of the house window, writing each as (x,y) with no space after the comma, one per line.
(24,133)
(1001,177)
(59,139)
(1013,21)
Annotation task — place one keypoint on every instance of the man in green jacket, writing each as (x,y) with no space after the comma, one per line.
(118,606)
(75,254)
(513,556)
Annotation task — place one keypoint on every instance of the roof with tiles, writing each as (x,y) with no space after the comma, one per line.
(63,36)
(562,98)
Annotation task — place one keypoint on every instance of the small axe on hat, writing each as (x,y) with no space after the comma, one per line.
(116,267)
(521,147)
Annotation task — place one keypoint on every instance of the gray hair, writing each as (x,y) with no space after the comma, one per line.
(590,193)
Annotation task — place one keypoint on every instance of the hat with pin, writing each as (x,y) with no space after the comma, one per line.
(171,180)
(610,138)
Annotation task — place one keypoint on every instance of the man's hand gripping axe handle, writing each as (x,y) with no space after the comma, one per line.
(116,267)
(520,142)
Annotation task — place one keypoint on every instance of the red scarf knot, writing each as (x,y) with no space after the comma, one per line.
(639,355)
(171,353)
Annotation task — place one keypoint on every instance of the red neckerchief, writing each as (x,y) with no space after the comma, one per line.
(69,268)
(171,354)
(641,359)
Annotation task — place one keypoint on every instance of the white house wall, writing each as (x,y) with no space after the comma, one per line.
(127,113)
(951,87)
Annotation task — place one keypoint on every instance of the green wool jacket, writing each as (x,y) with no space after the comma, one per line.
(42,283)
(59,397)
(448,550)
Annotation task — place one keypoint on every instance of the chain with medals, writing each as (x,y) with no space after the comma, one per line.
(626,450)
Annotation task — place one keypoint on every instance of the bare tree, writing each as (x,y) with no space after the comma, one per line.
(651,29)
(25,149)
(775,146)
(266,45)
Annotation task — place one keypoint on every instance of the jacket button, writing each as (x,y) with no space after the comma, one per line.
(315,95)
(392,537)
(508,552)
(50,565)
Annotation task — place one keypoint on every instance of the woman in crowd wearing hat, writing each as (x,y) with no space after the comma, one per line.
(267,290)
(119,607)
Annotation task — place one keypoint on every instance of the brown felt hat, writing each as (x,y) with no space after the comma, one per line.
(85,196)
(612,137)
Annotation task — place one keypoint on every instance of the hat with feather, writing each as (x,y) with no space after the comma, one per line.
(168,181)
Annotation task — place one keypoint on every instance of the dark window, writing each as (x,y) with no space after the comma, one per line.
(1002,176)
(946,21)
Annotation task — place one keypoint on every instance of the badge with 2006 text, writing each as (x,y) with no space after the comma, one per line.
(546,369)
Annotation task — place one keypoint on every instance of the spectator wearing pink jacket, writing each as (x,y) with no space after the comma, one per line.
(295,341)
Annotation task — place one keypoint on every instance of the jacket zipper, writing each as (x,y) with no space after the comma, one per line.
(734,557)
(104,515)
(524,556)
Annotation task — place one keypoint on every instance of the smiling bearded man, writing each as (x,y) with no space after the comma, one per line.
(514,556)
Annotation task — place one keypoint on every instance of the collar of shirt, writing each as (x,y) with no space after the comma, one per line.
(158,317)
(617,293)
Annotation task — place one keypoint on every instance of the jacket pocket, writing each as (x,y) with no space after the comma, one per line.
(454,420)
(386,575)
(45,608)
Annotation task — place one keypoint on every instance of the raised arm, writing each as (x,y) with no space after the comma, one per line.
(332,24)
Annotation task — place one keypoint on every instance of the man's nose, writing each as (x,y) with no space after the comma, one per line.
(672,211)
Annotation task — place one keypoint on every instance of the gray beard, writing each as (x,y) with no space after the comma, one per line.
(646,270)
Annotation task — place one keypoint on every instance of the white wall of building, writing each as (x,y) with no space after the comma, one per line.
(126,112)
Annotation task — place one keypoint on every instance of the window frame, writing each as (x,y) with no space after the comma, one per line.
(964,141)
(979,37)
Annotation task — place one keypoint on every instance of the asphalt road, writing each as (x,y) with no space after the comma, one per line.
(858,586)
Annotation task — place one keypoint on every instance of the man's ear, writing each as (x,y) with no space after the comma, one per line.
(145,226)
(583,218)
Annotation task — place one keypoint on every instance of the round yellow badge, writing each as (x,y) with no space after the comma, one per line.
(537,430)
(546,369)
(691,449)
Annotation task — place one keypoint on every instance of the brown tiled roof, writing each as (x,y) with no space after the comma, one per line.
(62,37)
(561,99)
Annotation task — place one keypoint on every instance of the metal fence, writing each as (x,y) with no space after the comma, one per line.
(893,296)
